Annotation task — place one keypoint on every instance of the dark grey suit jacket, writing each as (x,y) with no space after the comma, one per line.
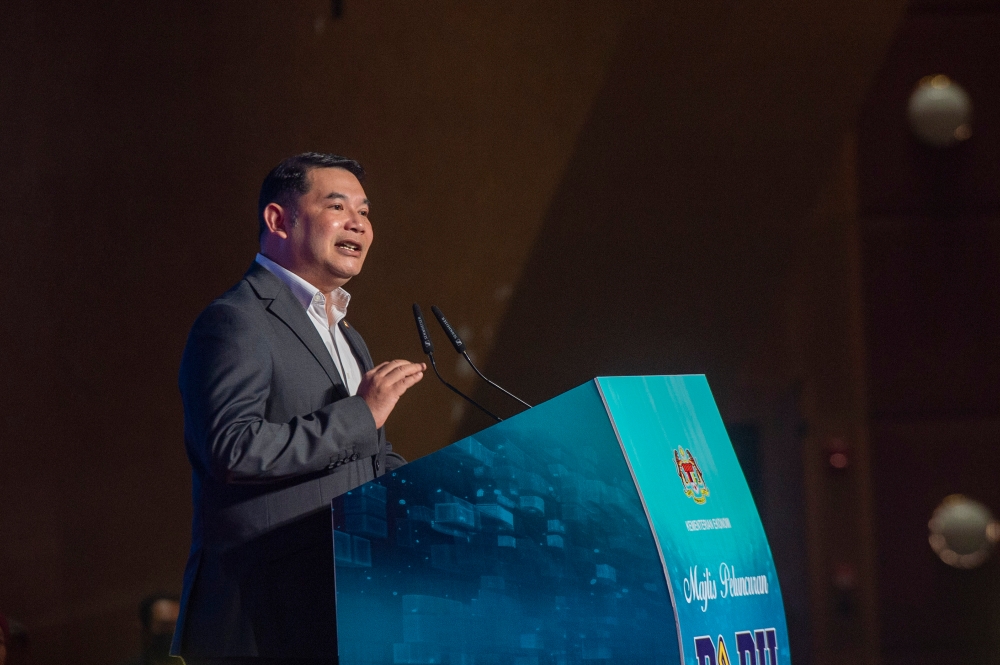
(272,436)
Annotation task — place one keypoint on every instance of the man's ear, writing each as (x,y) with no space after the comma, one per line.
(277,219)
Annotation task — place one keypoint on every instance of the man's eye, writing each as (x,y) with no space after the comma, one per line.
(363,213)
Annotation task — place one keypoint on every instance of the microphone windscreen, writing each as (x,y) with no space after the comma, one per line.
(425,339)
(456,341)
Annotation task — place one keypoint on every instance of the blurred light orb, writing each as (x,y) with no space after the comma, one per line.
(963,531)
(940,111)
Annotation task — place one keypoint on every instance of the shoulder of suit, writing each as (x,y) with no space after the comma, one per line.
(240,296)
(258,285)
(239,301)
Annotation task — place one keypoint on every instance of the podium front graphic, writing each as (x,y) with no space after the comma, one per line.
(611,524)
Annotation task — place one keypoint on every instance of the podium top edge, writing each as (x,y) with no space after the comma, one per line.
(642,376)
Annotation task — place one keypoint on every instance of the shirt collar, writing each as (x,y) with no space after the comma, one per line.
(303,291)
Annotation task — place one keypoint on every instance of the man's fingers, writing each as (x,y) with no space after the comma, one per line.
(397,368)
(391,379)
(400,386)
(388,367)
(385,384)
(410,369)
(411,374)
(400,380)
(371,374)
(412,378)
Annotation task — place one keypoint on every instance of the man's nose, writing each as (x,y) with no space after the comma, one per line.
(356,222)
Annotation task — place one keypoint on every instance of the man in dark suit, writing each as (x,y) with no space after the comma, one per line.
(283,410)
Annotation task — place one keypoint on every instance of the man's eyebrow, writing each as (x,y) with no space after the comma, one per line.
(338,195)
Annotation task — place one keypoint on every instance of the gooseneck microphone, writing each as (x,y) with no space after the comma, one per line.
(425,342)
(459,345)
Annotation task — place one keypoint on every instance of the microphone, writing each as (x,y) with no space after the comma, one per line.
(425,342)
(459,345)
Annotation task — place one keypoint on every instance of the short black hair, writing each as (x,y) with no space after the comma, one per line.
(146,606)
(290,179)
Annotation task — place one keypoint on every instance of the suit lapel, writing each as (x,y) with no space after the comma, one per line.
(358,346)
(285,307)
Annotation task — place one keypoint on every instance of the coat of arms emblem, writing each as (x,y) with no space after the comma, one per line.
(690,474)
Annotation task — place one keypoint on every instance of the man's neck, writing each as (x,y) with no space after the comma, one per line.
(329,299)
(325,289)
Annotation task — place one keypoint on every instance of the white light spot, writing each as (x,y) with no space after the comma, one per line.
(462,367)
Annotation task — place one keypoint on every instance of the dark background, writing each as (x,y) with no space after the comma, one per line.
(585,188)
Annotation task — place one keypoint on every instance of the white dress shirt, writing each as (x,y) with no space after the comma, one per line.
(314,302)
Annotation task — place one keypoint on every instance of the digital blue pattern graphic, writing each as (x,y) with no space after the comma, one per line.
(529,543)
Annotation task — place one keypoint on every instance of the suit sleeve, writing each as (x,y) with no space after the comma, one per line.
(225,381)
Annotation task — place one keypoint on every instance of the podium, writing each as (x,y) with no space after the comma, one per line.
(609,525)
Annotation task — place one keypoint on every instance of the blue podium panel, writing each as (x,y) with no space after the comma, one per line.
(526,544)
(721,573)
(611,524)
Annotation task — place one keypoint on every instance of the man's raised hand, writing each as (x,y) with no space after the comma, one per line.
(382,386)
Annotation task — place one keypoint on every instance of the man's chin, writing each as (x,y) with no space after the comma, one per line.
(344,272)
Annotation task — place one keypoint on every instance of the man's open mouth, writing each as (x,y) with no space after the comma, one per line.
(347,244)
